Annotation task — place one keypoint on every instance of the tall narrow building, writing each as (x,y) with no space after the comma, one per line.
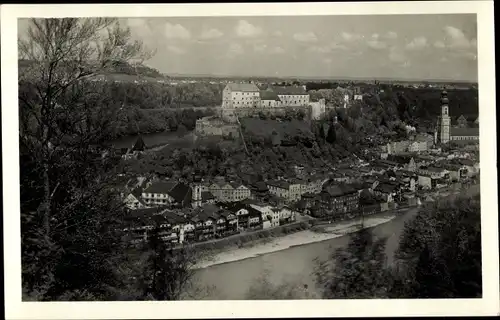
(442,133)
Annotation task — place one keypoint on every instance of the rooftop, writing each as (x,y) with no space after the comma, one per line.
(468,132)
(269,95)
(289,90)
(243,87)
(161,187)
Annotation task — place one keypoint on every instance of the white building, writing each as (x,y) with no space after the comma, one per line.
(240,95)
(291,96)
(270,218)
(158,193)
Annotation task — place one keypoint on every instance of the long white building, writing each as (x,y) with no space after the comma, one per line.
(248,95)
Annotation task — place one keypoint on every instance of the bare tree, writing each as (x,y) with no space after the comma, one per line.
(63,122)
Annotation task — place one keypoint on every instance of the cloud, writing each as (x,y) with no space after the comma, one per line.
(439,44)
(138,28)
(176,31)
(305,37)
(247,30)
(391,35)
(211,34)
(320,49)
(377,44)
(277,50)
(277,33)
(350,37)
(336,45)
(375,36)
(457,39)
(417,43)
(235,49)
(397,55)
(327,60)
(175,49)
(260,47)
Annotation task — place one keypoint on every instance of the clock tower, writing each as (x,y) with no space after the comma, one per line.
(443,125)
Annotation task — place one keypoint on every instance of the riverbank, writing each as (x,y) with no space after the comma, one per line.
(293,240)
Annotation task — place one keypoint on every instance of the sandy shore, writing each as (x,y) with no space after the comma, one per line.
(291,240)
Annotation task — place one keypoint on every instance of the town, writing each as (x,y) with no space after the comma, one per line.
(400,174)
(230,158)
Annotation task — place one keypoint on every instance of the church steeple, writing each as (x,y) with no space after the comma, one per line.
(443,129)
(444,103)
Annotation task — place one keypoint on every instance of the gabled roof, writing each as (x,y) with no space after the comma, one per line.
(386,187)
(279,183)
(139,145)
(243,87)
(163,187)
(207,195)
(469,132)
(339,190)
(289,90)
(180,192)
(269,95)
(142,213)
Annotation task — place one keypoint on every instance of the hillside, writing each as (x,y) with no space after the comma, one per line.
(118,71)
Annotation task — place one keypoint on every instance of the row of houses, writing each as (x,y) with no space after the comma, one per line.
(205,222)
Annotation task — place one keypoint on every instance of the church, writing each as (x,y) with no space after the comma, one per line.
(445,132)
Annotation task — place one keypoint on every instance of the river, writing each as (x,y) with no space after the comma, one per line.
(230,281)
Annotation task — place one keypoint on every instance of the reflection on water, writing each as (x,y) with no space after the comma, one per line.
(232,280)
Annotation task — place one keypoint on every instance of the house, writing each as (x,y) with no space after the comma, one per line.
(134,201)
(270,218)
(389,192)
(291,96)
(259,190)
(246,216)
(240,95)
(229,191)
(207,197)
(338,200)
(286,214)
(425,181)
(456,171)
(408,180)
(181,195)
(279,188)
(404,161)
(315,184)
(435,172)
(471,167)
(269,99)
(158,193)
(418,146)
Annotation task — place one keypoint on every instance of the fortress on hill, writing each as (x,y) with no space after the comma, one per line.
(246,99)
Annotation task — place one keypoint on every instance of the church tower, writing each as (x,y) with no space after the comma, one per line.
(443,125)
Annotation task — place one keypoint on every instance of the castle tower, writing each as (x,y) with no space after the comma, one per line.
(443,126)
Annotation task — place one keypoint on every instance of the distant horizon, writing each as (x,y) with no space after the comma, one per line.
(400,46)
(332,78)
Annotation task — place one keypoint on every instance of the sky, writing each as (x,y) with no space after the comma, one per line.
(417,47)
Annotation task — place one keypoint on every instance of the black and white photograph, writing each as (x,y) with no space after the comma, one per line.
(235,153)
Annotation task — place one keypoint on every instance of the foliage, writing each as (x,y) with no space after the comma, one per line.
(263,289)
(71,213)
(440,252)
(355,272)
